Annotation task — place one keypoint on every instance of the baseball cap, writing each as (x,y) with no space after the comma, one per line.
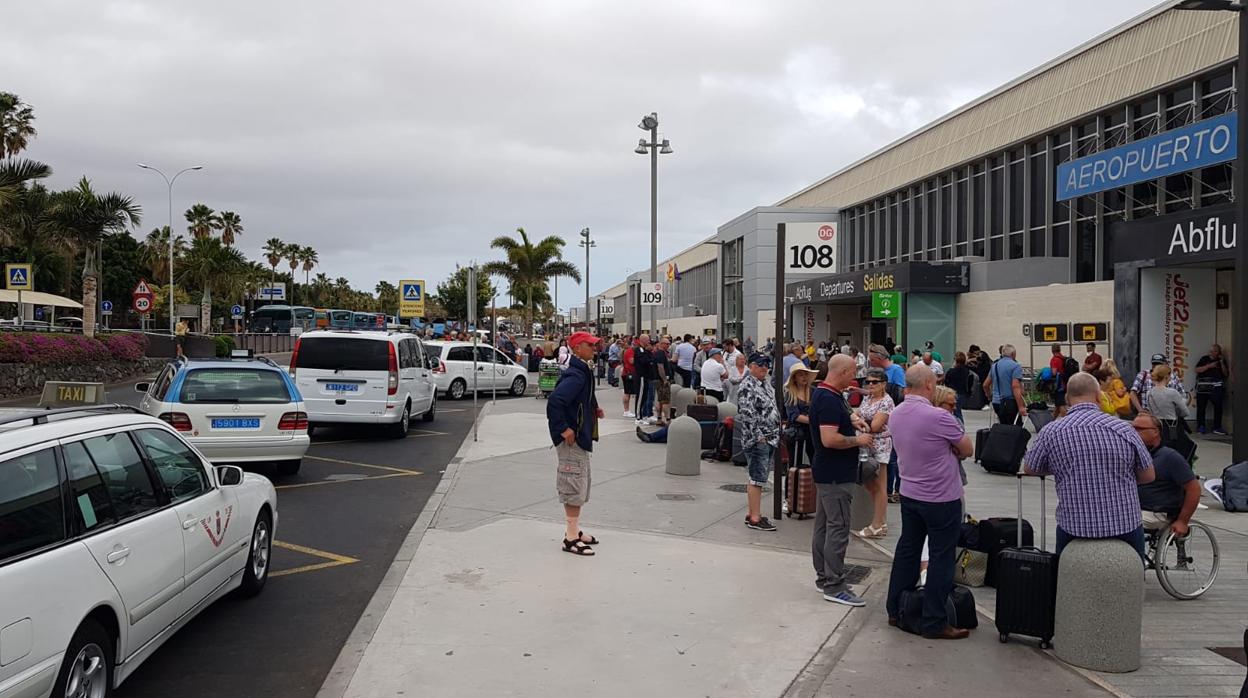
(714,351)
(1159,359)
(578,337)
(761,359)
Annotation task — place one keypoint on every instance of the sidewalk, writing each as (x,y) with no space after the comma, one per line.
(682,599)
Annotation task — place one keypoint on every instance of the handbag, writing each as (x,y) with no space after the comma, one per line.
(867,470)
(971,568)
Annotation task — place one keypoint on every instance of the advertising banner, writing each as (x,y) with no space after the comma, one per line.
(809,324)
(1177,317)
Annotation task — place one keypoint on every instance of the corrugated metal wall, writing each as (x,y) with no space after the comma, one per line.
(1164,48)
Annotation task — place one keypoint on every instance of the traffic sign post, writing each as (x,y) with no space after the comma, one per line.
(885,304)
(411,298)
(236,312)
(19,277)
(142,298)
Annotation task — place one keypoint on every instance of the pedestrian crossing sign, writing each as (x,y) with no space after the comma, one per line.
(411,298)
(18,277)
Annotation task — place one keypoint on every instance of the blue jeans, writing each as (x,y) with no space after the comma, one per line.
(758,462)
(939,523)
(957,411)
(894,475)
(646,400)
(1133,538)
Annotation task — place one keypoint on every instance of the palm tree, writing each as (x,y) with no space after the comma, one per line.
(16,125)
(23,224)
(84,217)
(274,252)
(231,225)
(309,259)
(202,220)
(529,266)
(15,173)
(294,255)
(156,252)
(210,265)
(342,294)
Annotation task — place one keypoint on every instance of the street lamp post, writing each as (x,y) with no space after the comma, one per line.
(169,182)
(655,148)
(586,243)
(1239,284)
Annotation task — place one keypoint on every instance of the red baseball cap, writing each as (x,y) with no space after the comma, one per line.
(578,337)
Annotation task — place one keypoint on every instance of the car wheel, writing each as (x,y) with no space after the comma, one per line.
(433,409)
(261,551)
(399,430)
(518,386)
(311,430)
(87,669)
(457,389)
(289,467)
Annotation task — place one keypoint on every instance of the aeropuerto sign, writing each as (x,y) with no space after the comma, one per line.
(1190,147)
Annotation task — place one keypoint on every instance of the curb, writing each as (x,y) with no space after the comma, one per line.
(338,680)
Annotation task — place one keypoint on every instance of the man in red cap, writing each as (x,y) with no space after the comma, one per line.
(572,414)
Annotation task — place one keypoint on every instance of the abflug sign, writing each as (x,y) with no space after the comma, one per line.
(1189,236)
(1201,144)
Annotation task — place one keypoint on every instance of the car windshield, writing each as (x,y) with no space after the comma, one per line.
(343,354)
(234,386)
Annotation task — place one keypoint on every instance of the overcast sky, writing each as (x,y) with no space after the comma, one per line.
(399,138)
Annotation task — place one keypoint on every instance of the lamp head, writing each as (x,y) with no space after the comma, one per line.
(641,147)
(665,148)
(649,122)
(197,167)
(144,165)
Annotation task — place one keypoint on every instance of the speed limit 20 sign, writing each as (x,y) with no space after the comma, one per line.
(810,248)
(142,304)
(652,294)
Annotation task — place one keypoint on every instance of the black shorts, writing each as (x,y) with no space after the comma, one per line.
(630,385)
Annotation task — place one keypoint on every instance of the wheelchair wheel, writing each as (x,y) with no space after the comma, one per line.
(1187,566)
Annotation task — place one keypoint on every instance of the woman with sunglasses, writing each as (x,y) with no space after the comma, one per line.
(874,410)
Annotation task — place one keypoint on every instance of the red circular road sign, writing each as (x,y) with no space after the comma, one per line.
(826,232)
(142,304)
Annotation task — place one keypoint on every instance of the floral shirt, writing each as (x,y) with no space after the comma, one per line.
(882,442)
(757,416)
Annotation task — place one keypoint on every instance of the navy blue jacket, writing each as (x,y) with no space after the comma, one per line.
(572,403)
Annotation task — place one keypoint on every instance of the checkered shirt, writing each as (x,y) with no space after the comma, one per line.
(1143,384)
(1093,458)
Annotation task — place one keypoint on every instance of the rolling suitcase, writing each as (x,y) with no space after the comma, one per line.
(1004,448)
(708,419)
(1027,584)
(801,492)
(996,534)
(981,435)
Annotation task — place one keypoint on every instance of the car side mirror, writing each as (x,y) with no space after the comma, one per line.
(142,387)
(229,475)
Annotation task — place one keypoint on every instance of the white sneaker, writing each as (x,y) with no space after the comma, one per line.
(628,414)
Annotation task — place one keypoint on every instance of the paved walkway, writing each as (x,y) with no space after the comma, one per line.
(682,599)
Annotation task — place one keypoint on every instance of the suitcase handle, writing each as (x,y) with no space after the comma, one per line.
(1043,510)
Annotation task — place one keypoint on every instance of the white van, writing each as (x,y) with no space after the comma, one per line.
(494,371)
(353,377)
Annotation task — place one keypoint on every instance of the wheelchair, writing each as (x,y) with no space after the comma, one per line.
(1186,566)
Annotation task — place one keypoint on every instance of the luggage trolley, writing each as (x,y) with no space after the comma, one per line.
(547,377)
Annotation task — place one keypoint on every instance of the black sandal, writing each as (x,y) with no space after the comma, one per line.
(580,535)
(577,547)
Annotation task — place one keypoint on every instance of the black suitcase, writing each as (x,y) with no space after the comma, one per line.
(981,438)
(1004,448)
(996,534)
(1040,418)
(964,608)
(1027,584)
(723,441)
(708,419)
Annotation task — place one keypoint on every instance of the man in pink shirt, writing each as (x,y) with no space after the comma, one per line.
(929,442)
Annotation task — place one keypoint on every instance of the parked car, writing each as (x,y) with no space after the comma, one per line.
(353,377)
(114,533)
(237,410)
(494,371)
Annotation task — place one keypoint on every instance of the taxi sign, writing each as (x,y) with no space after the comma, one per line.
(411,298)
(18,277)
(71,394)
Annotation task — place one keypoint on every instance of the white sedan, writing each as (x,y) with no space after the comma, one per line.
(455,370)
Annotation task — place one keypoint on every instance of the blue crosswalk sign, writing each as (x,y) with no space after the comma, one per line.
(17,276)
(412,292)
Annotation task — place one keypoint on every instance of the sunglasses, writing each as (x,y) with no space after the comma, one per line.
(872,382)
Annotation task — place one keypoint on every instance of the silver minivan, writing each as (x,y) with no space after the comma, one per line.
(353,377)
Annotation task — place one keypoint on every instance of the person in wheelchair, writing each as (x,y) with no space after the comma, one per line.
(1172,496)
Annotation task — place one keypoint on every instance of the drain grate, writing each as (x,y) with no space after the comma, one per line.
(739,488)
(854,574)
(1235,654)
(675,497)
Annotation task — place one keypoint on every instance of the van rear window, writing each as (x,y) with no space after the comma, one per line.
(342,354)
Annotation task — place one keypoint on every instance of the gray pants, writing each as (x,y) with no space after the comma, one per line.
(827,547)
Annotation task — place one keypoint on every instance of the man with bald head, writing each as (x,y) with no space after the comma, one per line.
(838,433)
(929,443)
(1096,461)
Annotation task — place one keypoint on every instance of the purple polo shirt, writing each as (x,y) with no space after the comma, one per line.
(924,437)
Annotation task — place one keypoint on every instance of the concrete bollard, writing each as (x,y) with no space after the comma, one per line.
(1100,606)
(684,447)
(681,398)
(726,410)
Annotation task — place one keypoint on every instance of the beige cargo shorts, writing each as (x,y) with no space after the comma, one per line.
(572,479)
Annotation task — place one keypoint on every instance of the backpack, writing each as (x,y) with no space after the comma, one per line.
(1235,487)
(1069,369)
(896,392)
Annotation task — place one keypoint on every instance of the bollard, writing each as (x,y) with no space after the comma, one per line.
(1100,605)
(681,398)
(726,410)
(684,447)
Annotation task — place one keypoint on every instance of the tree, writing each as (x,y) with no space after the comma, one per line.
(294,254)
(203,221)
(156,253)
(17,121)
(14,174)
(274,252)
(209,265)
(453,294)
(309,259)
(231,227)
(528,266)
(387,296)
(123,264)
(84,217)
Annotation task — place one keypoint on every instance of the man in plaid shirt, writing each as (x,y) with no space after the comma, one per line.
(1144,382)
(759,422)
(1096,461)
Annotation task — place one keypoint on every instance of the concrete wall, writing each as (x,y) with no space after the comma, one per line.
(992,318)
(1019,273)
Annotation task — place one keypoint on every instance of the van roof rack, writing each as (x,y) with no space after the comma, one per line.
(42,416)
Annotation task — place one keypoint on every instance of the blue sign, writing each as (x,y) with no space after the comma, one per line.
(236,311)
(106,306)
(38,313)
(1197,145)
(412,292)
(18,276)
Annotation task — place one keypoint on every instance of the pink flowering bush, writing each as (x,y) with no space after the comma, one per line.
(68,349)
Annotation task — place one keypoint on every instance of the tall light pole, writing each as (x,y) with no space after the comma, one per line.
(655,148)
(169,183)
(1239,284)
(586,243)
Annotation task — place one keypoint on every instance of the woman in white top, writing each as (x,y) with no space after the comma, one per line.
(714,373)
(736,374)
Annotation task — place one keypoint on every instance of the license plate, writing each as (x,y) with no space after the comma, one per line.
(343,387)
(237,423)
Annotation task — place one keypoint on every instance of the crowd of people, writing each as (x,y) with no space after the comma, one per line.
(894,423)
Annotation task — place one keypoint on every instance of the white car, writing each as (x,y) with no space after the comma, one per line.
(364,377)
(114,533)
(494,371)
(238,410)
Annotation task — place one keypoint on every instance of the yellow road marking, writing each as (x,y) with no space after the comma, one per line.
(406,473)
(334,560)
(414,434)
(361,465)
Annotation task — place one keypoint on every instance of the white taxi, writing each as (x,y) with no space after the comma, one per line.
(114,533)
(456,373)
(237,410)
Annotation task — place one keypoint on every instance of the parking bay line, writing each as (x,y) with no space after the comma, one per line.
(416,434)
(404,471)
(334,560)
